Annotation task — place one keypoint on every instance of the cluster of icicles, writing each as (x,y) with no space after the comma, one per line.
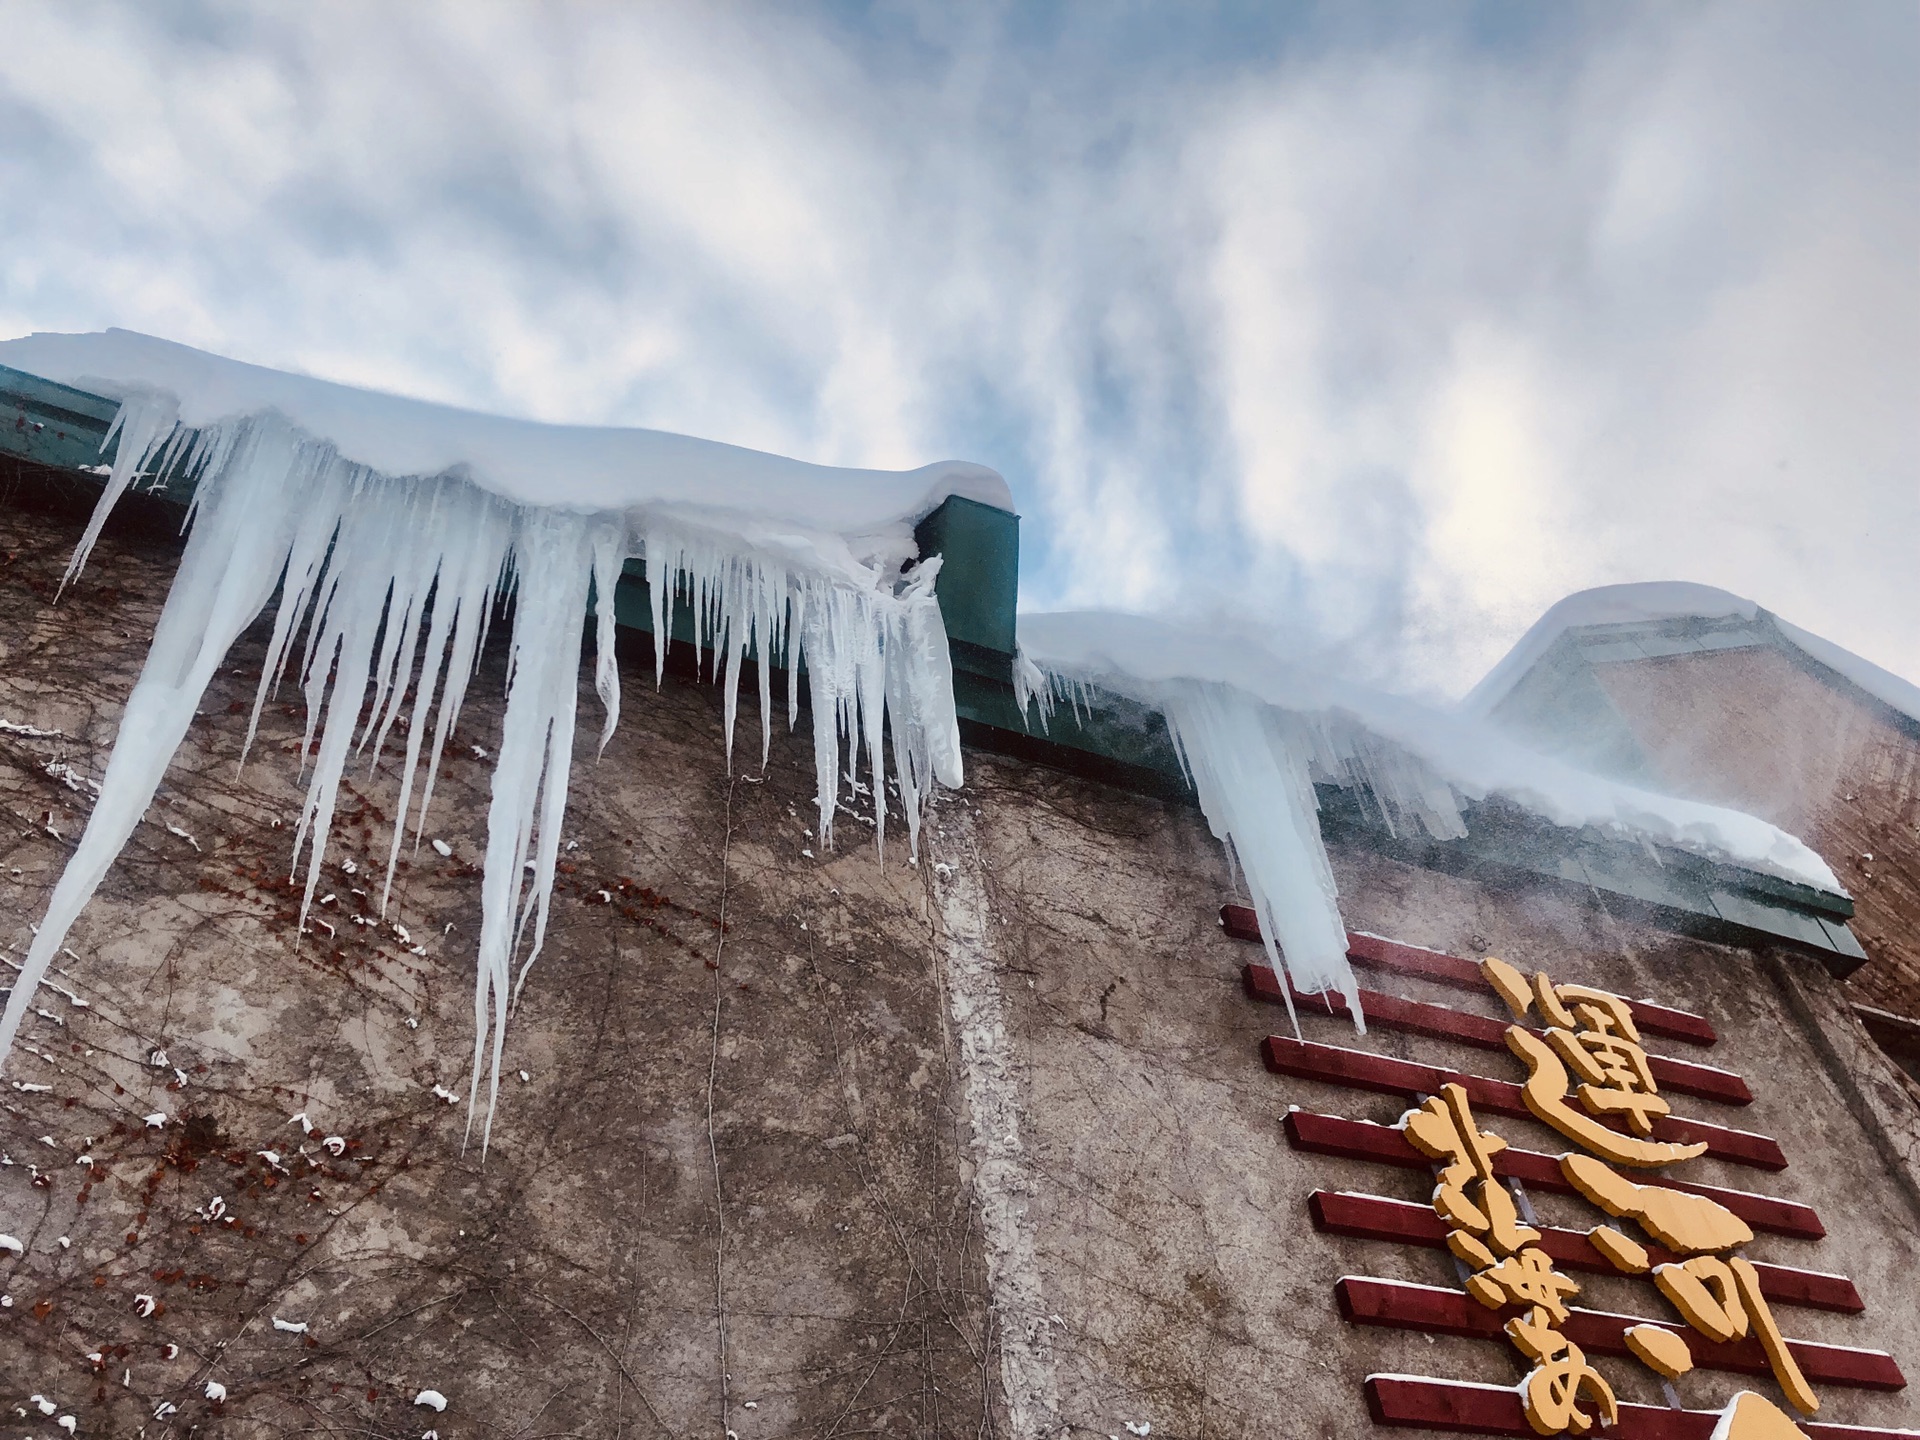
(1253,766)
(388,577)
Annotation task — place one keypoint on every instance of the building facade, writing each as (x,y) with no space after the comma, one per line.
(1016,1136)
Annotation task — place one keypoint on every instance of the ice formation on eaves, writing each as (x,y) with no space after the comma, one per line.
(389,577)
(1256,731)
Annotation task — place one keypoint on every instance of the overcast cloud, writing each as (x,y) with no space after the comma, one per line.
(1381,326)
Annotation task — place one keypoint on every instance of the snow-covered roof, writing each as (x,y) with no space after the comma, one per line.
(583,466)
(1142,658)
(1677,600)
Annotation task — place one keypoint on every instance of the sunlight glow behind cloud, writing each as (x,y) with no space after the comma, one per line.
(1382,328)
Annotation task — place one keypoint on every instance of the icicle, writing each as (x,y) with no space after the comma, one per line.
(232,562)
(1248,763)
(609,555)
(1031,687)
(389,577)
(867,651)
(529,802)
(145,421)
(919,691)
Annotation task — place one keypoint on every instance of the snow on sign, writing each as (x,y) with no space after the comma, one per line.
(391,527)
(1590,1077)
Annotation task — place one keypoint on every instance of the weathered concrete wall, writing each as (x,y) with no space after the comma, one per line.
(577,1279)
(994,1150)
(1185,1282)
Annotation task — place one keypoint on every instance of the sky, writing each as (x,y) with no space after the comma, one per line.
(1373,327)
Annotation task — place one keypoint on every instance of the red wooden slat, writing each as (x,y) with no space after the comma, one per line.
(1387,954)
(1384,1145)
(1380,953)
(1383,1074)
(1399,1305)
(1376,1217)
(1467,1408)
(1442,1022)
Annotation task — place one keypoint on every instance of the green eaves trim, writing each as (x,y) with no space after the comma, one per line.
(51,424)
(1121,743)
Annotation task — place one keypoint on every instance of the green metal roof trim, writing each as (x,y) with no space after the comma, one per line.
(66,429)
(1120,742)
(50,424)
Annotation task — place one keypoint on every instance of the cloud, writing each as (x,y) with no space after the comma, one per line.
(1380,330)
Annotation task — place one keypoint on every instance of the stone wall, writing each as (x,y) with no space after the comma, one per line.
(577,1278)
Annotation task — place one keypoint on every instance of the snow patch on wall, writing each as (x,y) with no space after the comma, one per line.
(1001,1178)
(389,574)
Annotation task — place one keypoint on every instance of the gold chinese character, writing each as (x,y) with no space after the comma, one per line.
(1605,1053)
(1703,1291)
(1527,1278)
(1659,1349)
(1592,1032)
(1753,1417)
(1688,1224)
(1722,1300)
(1466,1193)
(1545,1094)
(1624,1253)
(1552,1391)
(1718,1297)
(1509,1267)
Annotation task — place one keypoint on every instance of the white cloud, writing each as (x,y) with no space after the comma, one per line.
(1381,337)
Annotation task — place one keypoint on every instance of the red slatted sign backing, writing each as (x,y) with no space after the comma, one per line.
(1373,952)
(1463,1407)
(1384,1145)
(1415,1017)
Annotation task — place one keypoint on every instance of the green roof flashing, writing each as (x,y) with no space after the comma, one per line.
(54,425)
(979,582)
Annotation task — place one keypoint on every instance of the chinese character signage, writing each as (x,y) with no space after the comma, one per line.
(1589,1077)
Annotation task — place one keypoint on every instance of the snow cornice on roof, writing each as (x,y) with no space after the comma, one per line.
(590,467)
(1281,755)
(1407,780)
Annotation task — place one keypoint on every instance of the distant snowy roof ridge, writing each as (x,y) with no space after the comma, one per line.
(1410,753)
(1676,600)
(580,466)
